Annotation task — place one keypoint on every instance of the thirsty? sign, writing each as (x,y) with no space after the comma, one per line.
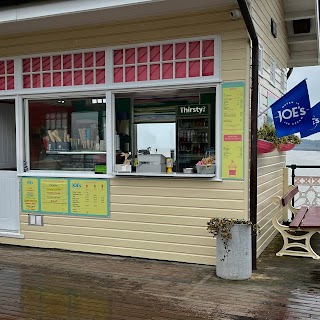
(193,110)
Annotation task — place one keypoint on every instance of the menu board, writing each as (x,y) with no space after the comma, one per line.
(232,130)
(30,194)
(88,197)
(65,196)
(54,195)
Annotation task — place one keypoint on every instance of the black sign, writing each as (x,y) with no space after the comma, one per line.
(193,110)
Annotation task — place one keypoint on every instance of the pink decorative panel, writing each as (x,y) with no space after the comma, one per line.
(142,55)
(130,56)
(130,74)
(2,68)
(100,59)
(67,61)
(194,49)
(2,83)
(46,80)
(88,60)
(10,83)
(26,65)
(194,68)
(6,75)
(208,68)
(67,78)
(10,67)
(179,60)
(142,73)
(70,69)
(36,64)
(57,79)
(167,71)
(167,52)
(88,77)
(26,81)
(100,76)
(155,53)
(118,75)
(208,48)
(46,64)
(181,71)
(36,83)
(181,51)
(155,72)
(77,78)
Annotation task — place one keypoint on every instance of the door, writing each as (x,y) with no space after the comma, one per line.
(9,196)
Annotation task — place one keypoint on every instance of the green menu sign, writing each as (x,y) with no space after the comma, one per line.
(193,110)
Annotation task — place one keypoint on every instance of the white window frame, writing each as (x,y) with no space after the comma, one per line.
(273,68)
(108,90)
(110,129)
(261,60)
(283,80)
(110,97)
(57,173)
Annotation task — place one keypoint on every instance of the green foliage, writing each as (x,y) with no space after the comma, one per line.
(268,132)
(224,225)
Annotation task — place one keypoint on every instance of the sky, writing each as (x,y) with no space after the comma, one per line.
(312,74)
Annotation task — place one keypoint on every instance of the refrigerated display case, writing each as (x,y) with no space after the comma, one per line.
(193,139)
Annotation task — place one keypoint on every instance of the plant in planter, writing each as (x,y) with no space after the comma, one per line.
(233,244)
(267,132)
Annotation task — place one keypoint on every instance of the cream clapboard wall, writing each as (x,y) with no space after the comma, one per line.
(270,166)
(152,218)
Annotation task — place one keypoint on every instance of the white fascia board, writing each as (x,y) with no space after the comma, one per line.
(53,8)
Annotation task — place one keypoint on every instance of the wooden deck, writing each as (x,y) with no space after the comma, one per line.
(51,284)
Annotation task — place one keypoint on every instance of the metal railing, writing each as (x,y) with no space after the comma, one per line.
(309,186)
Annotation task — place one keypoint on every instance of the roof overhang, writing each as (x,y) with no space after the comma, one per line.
(302,20)
(45,15)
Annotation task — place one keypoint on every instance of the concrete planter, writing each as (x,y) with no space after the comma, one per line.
(236,264)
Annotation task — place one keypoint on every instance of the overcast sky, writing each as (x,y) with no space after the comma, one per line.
(313,81)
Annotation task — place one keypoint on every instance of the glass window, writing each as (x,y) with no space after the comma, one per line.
(166,133)
(272,71)
(261,57)
(68,134)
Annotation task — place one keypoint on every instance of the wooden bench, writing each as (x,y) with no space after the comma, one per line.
(296,236)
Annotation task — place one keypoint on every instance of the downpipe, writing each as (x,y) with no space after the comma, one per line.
(253,123)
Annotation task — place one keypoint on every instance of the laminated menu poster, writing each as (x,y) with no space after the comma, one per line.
(30,194)
(66,196)
(233,95)
(54,195)
(88,197)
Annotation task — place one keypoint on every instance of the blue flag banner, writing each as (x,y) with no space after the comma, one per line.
(315,111)
(291,113)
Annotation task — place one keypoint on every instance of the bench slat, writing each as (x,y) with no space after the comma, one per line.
(295,223)
(312,218)
(288,197)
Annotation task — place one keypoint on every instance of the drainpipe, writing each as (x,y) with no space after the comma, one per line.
(254,123)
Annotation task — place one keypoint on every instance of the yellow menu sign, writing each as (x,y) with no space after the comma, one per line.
(30,194)
(88,197)
(232,130)
(65,196)
(232,154)
(233,107)
(54,195)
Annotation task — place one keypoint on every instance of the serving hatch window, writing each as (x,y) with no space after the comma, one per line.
(68,134)
(171,133)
